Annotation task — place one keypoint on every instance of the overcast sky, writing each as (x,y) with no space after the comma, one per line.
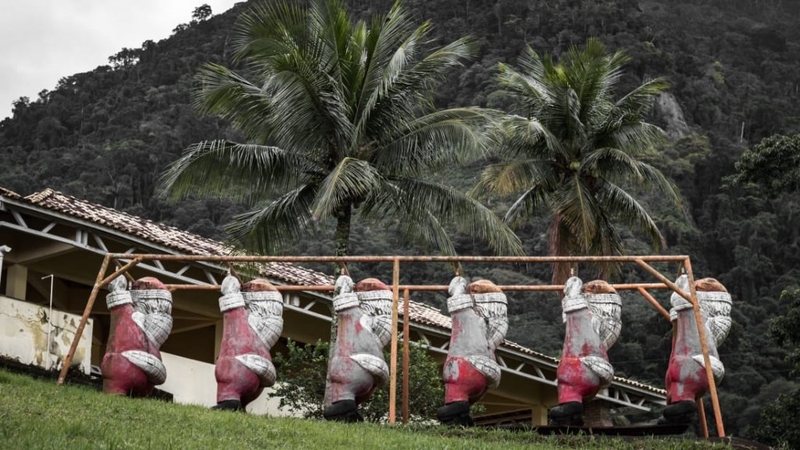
(42,41)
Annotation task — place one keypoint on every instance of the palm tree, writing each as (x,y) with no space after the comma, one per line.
(575,149)
(340,122)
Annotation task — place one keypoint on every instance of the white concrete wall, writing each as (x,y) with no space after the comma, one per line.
(24,331)
(192,382)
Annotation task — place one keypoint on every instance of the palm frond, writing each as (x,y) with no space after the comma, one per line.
(526,88)
(577,208)
(393,45)
(240,172)
(335,66)
(529,203)
(530,138)
(453,206)
(296,52)
(612,162)
(432,141)
(349,182)
(514,176)
(654,179)
(635,137)
(591,75)
(641,99)
(575,131)
(388,206)
(627,210)
(410,94)
(267,228)
(226,94)
(296,122)
(332,25)
(353,68)
(270,29)
(431,70)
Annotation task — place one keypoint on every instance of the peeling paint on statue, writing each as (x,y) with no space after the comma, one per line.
(686,378)
(251,324)
(480,323)
(356,366)
(141,321)
(591,313)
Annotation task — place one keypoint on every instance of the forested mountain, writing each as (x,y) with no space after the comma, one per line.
(734,70)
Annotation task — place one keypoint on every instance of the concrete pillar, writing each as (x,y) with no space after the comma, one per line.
(597,413)
(538,415)
(17,282)
(3,250)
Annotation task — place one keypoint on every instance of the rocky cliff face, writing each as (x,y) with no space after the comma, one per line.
(668,110)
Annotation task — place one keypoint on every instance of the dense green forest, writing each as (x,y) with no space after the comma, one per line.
(734,70)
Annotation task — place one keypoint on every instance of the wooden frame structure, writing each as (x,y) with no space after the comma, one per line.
(126,261)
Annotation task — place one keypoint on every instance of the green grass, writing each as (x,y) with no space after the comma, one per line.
(40,415)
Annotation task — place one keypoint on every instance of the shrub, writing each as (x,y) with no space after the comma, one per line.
(303,369)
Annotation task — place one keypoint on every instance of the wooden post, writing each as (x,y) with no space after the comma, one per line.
(393,353)
(406,360)
(701,330)
(653,302)
(701,412)
(86,311)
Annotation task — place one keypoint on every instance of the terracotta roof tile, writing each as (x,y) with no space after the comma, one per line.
(146,229)
(296,274)
(158,233)
(9,193)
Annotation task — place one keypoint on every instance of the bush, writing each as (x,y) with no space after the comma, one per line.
(303,369)
(301,373)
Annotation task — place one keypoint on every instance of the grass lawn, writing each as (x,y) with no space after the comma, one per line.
(40,415)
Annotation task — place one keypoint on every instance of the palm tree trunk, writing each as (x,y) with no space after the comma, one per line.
(558,247)
(341,237)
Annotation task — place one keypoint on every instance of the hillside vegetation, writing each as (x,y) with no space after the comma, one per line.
(107,135)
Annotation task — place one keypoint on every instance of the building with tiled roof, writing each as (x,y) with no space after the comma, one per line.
(50,233)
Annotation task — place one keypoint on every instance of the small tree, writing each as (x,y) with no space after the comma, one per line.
(302,371)
(774,164)
(201,13)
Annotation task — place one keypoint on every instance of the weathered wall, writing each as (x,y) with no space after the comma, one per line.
(24,335)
